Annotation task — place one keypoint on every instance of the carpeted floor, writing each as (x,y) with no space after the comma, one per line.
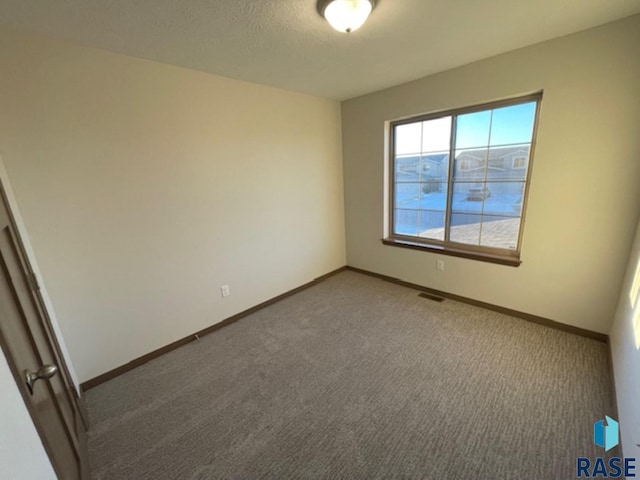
(357,378)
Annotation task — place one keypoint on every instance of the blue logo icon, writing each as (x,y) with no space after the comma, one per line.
(606,433)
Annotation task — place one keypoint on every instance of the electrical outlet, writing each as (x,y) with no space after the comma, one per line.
(440,265)
(224,291)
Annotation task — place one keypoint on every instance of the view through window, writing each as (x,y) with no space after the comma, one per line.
(460,177)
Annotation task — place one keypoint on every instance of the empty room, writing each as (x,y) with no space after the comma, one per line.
(319,239)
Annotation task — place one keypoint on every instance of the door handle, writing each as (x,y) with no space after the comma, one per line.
(44,373)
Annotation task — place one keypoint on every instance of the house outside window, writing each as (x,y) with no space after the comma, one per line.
(459,179)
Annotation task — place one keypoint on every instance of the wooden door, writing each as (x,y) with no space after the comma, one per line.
(29,343)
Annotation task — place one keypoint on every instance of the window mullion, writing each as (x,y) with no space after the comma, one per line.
(447,216)
(486,177)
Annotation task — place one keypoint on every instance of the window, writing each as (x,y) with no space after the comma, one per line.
(464,164)
(459,180)
(519,162)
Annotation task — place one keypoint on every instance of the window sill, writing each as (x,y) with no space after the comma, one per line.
(482,257)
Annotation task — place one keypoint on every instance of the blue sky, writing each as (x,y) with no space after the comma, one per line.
(501,126)
(507,125)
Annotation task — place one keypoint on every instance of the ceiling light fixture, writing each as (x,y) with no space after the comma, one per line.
(346,15)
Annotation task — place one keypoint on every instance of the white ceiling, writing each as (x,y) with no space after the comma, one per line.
(286,44)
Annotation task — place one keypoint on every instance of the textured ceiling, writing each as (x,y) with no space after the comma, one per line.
(286,44)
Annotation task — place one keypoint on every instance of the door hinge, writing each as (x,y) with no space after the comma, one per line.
(33,282)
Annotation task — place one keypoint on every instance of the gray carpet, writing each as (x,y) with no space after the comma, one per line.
(356,378)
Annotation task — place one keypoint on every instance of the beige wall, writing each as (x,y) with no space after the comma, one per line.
(145,187)
(625,350)
(584,197)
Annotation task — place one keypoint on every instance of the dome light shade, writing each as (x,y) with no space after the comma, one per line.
(346,15)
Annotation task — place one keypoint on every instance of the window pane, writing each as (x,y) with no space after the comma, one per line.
(420,223)
(421,196)
(469,197)
(432,225)
(472,129)
(508,163)
(500,232)
(504,199)
(513,124)
(407,195)
(470,165)
(493,198)
(408,138)
(495,163)
(465,228)
(407,168)
(436,134)
(435,167)
(433,196)
(406,222)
